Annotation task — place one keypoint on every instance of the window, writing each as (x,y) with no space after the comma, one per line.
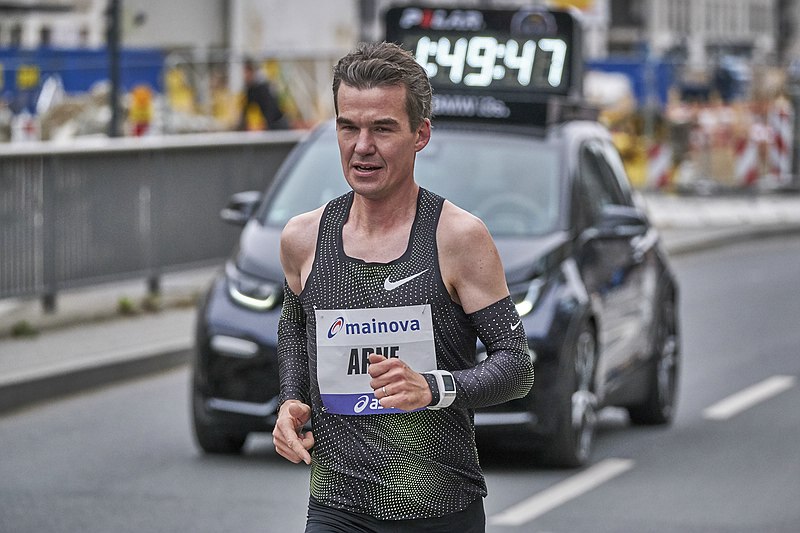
(598,184)
(619,175)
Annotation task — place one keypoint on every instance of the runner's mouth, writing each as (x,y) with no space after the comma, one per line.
(366,168)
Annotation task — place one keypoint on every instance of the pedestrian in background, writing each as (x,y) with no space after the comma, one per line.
(388,287)
(260,98)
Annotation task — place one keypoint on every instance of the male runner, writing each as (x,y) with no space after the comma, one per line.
(387,289)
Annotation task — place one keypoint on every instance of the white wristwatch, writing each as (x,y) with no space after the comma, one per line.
(447,388)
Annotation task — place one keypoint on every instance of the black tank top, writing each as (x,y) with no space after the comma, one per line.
(392,466)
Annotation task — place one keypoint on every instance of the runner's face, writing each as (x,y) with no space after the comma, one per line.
(376,143)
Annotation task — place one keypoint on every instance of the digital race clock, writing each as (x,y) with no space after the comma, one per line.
(487,63)
(483,61)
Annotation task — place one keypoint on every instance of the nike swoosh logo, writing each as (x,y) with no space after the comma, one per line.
(515,326)
(392,285)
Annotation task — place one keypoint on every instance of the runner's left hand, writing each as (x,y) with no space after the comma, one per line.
(404,388)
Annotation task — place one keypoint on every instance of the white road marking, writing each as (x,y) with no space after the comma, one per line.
(561,493)
(747,398)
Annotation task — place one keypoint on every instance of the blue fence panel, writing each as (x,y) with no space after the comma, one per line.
(23,71)
(657,83)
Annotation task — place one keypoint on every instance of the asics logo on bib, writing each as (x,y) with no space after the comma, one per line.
(364,402)
(372,326)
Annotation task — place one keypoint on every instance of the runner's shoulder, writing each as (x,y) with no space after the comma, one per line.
(458,227)
(299,236)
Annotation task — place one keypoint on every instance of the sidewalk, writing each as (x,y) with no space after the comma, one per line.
(692,223)
(86,342)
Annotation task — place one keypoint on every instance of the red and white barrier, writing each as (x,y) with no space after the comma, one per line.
(746,168)
(659,165)
(781,122)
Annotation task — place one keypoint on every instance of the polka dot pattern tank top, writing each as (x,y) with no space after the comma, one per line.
(403,465)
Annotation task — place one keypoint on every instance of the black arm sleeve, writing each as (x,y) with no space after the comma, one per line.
(292,350)
(507,372)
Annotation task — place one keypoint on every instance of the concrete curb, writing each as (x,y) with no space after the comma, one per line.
(716,238)
(27,392)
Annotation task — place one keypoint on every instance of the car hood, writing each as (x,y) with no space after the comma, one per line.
(524,258)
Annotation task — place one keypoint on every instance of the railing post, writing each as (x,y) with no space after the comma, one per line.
(113,40)
(49,249)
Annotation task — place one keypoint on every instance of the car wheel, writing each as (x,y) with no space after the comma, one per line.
(211,438)
(658,406)
(571,445)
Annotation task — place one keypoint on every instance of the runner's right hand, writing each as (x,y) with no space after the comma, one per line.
(291,442)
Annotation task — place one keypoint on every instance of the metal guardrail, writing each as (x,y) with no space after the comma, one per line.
(100,210)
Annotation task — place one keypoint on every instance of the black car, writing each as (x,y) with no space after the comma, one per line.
(583,264)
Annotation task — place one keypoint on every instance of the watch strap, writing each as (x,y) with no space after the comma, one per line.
(431,379)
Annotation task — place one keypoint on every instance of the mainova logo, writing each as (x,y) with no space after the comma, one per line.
(372,326)
(336,327)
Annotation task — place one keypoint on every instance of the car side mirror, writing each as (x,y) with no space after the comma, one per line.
(621,221)
(241,207)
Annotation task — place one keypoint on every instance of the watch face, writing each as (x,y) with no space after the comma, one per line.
(449,383)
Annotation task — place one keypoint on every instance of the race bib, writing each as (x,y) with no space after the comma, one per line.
(346,337)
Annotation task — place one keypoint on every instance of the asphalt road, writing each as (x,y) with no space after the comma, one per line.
(122,459)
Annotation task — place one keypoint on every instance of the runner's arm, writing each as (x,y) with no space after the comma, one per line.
(296,254)
(292,350)
(294,413)
(474,275)
(507,372)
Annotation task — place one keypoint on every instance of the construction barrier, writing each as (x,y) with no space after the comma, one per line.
(659,165)
(746,159)
(737,146)
(781,123)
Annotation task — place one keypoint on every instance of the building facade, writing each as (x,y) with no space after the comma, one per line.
(693,29)
(209,38)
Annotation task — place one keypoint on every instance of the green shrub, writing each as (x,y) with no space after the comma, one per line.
(23,328)
(125,306)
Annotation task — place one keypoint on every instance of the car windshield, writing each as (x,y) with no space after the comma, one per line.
(510,181)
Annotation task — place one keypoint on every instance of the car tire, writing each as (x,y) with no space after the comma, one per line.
(658,407)
(209,437)
(571,444)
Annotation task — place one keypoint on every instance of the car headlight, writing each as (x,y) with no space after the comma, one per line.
(250,291)
(525,296)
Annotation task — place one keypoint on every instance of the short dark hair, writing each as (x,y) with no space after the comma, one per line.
(385,64)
